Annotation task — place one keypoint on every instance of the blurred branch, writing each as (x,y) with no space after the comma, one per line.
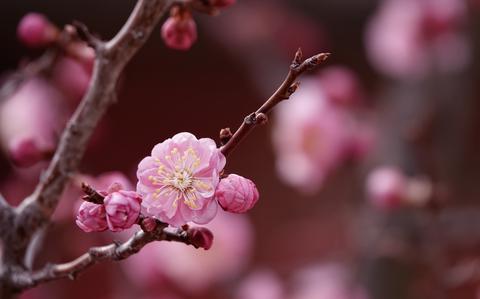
(35,211)
(111,58)
(6,213)
(36,67)
(112,252)
(288,87)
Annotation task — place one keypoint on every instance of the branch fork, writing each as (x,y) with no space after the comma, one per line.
(19,225)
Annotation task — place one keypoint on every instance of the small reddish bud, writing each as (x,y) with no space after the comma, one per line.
(225,135)
(179,31)
(236,194)
(148,224)
(91,217)
(262,118)
(35,30)
(200,237)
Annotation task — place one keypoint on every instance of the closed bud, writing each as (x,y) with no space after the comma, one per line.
(200,237)
(123,209)
(35,30)
(91,217)
(236,194)
(179,31)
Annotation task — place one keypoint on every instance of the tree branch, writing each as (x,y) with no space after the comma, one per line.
(6,215)
(111,252)
(111,58)
(288,87)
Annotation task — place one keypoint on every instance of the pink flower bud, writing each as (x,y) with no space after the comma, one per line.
(179,31)
(91,217)
(386,187)
(35,30)
(200,237)
(236,194)
(222,3)
(123,209)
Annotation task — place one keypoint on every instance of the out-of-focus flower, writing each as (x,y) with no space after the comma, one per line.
(341,85)
(312,137)
(178,181)
(325,281)
(123,209)
(179,31)
(410,38)
(261,284)
(30,121)
(91,217)
(72,78)
(386,187)
(191,269)
(236,194)
(419,191)
(35,30)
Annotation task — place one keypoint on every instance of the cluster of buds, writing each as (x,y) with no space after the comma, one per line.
(179,31)
(179,183)
(115,209)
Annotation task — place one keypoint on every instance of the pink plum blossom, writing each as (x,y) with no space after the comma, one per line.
(91,217)
(179,31)
(123,209)
(30,121)
(178,181)
(386,187)
(36,31)
(236,194)
(410,38)
(191,269)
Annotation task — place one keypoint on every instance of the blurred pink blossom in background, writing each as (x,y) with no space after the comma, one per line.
(316,133)
(261,284)
(412,38)
(30,122)
(325,281)
(186,267)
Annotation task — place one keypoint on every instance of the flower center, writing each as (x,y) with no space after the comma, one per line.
(181,180)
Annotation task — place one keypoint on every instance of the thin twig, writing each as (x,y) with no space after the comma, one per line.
(111,252)
(288,87)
